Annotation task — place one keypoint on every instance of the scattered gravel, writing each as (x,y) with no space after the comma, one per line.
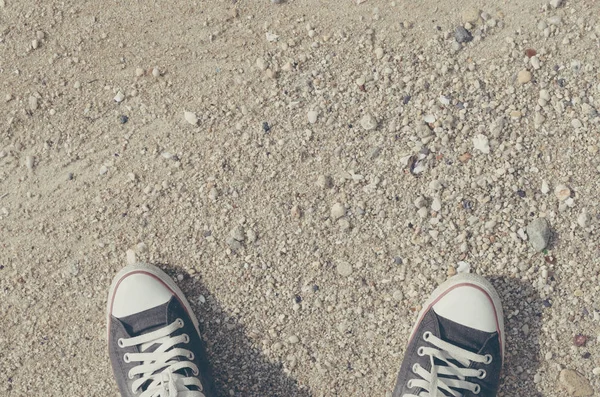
(427,157)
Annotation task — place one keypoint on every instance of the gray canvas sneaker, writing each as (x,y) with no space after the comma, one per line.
(457,345)
(154,342)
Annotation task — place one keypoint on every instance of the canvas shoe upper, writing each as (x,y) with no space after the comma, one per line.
(457,345)
(154,342)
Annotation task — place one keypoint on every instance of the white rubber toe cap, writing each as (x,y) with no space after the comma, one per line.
(470,306)
(138,291)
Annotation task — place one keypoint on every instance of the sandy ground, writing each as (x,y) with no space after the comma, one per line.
(345,160)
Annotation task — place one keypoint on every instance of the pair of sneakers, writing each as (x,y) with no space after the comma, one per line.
(456,347)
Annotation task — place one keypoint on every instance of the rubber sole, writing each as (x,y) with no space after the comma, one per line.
(157,274)
(466,279)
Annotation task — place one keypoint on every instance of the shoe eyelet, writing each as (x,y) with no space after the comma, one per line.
(421,351)
(126,358)
(481,374)
(488,359)
(186,338)
(195,372)
(129,375)
(409,384)
(476,389)
(121,342)
(191,356)
(426,335)
(415,368)
(179,322)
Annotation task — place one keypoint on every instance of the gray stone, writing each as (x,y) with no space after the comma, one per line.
(539,234)
(462,35)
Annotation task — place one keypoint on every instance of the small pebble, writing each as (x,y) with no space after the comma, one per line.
(379,52)
(238,233)
(562,192)
(312,116)
(156,71)
(33,102)
(29,161)
(119,97)
(481,143)
(261,64)
(575,383)
(190,117)
(103,170)
(324,182)
(139,72)
(539,234)
(462,35)
(545,187)
(123,119)
(556,3)
(524,76)
(576,123)
(368,122)
(293,339)
(580,340)
(344,269)
(398,295)
(337,211)
(131,260)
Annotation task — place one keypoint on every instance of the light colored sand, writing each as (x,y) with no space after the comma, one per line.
(62,240)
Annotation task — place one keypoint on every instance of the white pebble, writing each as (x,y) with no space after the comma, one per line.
(545,187)
(379,52)
(535,62)
(29,160)
(481,143)
(583,218)
(556,3)
(562,192)
(103,170)
(430,118)
(119,97)
(293,339)
(156,72)
(368,122)
(190,118)
(139,72)
(344,269)
(463,267)
(596,371)
(261,64)
(131,260)
(312,116)
(576,123)
(436,204)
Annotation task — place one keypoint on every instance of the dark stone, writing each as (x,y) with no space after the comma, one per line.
(266,127)
(123,119)
(462,35)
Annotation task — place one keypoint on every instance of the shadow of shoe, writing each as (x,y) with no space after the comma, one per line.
(523,309)
(238,366)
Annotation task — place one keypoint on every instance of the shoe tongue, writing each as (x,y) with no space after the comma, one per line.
(467,338)
(146,321)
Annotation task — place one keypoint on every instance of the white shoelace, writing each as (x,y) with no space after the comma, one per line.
(433,385)
(159,366)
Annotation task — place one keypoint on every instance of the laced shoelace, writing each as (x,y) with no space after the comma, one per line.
(158,368)
(435,386)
